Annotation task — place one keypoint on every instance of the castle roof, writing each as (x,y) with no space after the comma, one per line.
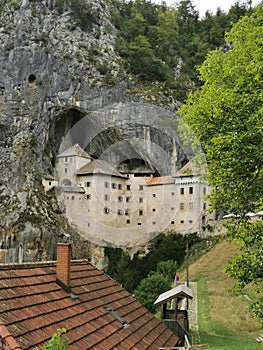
(74,150)
(98,166)
(160,180)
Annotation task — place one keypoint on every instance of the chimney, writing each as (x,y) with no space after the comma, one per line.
(63,263)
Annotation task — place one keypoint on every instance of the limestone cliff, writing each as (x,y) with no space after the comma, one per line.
(62,82)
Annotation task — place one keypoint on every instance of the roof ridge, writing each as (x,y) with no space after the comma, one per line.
(8,338)
(26,264)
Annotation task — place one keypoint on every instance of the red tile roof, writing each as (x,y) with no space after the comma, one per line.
(160,180)
(33,306)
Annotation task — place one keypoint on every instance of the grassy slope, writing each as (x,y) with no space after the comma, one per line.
(224,320)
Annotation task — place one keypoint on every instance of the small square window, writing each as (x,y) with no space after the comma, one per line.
(88,184)
(49,183)
(140,187)
(154,195)
(106,197)
(128,221)
(106,184)
(119,212)
(119,199)
(172,193)
(154,209)
(190,221)
(126,212)
(140,200)
(172,222)
(113,185)
(172,208)
(182,222)
(139,223)
(154,223)
(88,196)
(72,197)
(106,210)
(127,199)
(128,187)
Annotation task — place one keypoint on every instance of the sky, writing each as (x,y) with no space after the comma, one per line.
(203,5)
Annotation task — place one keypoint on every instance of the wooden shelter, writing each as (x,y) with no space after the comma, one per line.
(172,316)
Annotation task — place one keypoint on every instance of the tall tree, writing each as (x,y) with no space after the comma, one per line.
(226,116)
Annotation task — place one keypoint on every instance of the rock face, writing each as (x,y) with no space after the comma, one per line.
(61,82)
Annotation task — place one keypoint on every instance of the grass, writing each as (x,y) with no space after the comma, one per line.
(223,318)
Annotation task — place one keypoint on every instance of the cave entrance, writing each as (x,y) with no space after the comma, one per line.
(61,126)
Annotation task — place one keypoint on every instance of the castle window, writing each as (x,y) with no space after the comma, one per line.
(154,195)
(139,223)
(140,200)
(128,221)
(182,190)
(182,222)
(140,187)
(191,190)
(106,184)
(72,197)
(204,206)
(191,206)
(106,197)
(88,196)
(106,210)
(31,78)
(172,222)
(140,212)
(128,199)
(66,170)
(154,223)
(154,209)
(128,187)
(88,184)
(181,206)
(119,186)
(120,199)
(126,212)
(172,193)
(204,190)
(113,185)
(49,183)
(66,159)
(190,221)
(119,212)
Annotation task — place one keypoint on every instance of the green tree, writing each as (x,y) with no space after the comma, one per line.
(150,288)
(56,342)
(167,269)
(225,115)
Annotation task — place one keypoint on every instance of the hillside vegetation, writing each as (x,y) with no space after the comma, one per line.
(223,317)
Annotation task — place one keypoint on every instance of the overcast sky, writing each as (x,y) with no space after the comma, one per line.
(203,5)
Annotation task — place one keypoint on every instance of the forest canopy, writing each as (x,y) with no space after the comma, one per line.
(166,44)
